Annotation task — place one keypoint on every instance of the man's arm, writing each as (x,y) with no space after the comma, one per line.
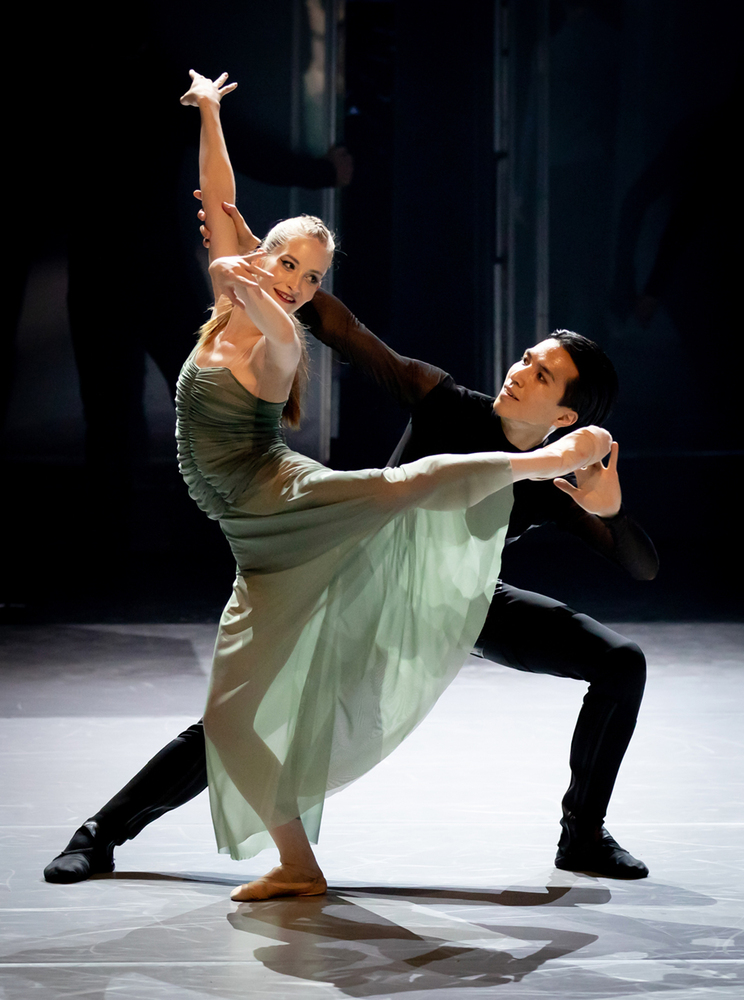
(598,516)
(590,508)
(263,158)
(619,539)
(328,319)
(405,379)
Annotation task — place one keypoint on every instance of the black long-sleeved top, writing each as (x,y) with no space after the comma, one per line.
(447,418)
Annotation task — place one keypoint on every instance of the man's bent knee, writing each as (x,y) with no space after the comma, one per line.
(625,670)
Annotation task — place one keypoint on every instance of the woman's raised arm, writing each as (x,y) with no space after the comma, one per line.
(216,178)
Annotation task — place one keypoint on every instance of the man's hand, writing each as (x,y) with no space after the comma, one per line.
(247,242)
(597,487)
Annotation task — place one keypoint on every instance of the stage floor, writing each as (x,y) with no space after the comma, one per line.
(439,862)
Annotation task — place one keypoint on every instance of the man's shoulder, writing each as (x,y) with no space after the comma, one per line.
(448,393)
(454,419)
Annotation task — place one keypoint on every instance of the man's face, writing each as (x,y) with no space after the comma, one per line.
(534,386)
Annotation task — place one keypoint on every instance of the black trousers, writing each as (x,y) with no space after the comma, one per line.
(523,630)
(537,634)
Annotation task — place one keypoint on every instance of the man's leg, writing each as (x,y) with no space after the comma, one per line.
(174,775)
(535,633)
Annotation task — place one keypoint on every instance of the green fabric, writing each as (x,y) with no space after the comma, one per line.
(358,597)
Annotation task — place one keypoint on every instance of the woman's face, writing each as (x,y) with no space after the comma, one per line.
(298,267)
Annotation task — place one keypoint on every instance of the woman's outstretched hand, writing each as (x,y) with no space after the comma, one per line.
(204,89)
(238,277)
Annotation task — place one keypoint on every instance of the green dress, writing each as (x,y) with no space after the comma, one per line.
(358,597)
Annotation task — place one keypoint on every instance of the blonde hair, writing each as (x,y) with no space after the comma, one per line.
(300,225)
(278,236)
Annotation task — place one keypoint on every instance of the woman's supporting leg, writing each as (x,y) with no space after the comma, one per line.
(297,874)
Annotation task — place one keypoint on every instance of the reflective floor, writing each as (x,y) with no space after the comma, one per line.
(439,862)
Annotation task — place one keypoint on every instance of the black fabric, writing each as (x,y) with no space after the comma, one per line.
(534,633)
(447,418)
(456,420)
(176,774)
(407,380)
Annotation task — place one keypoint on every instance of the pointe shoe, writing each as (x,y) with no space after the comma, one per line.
(88,853)
(276,884)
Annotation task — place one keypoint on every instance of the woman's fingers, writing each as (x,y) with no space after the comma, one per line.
(202,86)
(258,274)
(220,84)
(234,297)
(250,287)
(248,271)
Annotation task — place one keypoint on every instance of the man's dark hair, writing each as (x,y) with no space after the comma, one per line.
(594,392)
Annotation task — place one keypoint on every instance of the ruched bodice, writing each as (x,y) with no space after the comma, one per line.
(224,435)
(357,599)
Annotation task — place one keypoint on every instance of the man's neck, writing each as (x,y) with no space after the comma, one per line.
(524,437)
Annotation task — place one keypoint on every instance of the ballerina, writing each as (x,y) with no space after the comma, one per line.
(358,595)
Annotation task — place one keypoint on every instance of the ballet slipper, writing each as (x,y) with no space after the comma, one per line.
(277,883)
(90,852)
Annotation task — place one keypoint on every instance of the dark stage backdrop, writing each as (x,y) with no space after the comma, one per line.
(644,100)
(642,194)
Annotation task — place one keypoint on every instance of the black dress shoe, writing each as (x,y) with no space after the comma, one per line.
(88,853)
(597,855)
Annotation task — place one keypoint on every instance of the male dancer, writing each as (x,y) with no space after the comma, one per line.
(564,381)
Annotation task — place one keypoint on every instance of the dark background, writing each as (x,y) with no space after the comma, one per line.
(644,220)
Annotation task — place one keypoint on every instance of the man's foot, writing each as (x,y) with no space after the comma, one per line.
(88,853)
(599,854)
(281,881)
